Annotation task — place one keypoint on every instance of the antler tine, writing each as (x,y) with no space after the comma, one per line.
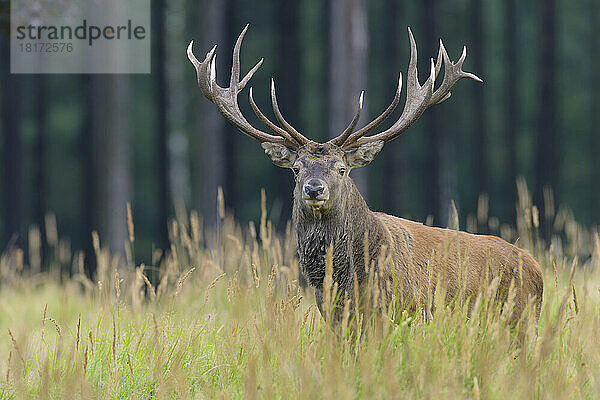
(202,69)
(442,56)
(267,121)
(412,76)
(225,98)
(286,125)
(377,121)
(235,62)
(416,97)
(249,75)
(452,74)
(339,140)
(419,98)
(235,65)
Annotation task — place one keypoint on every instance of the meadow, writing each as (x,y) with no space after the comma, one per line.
(227,319)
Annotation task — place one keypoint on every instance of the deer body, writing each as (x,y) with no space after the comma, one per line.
(415,256)
(329,211)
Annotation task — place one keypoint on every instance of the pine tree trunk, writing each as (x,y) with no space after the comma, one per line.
(288,92)
(595,122)
(88,161)
(159,60)
(211,126)
(391,200)
(511,105)
(348,69)
(41,166)
(110,136)
(231,135)
(546,158)
(480,131)
(441,176)
(12,186)
(177,93)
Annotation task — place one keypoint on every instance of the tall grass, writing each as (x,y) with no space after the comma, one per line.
(229,320)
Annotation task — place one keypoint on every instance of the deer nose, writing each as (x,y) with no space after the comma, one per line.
(314,188)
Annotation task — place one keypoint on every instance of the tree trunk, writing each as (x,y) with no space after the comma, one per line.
(432,195)
(480,131)
(231,135)
(89,186)
(392,161)
(441,176)
(177,93)
(12,186)
(288,91)
(595,123)
(348,69)
(511,105)
(41,159)
(546,159)
(162,145)
(110,140)
(210,165)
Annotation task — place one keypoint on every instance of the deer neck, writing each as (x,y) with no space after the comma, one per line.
(344,226)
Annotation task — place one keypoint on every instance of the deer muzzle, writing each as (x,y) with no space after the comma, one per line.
(315,193)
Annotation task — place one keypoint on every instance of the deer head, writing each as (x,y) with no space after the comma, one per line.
(321,169)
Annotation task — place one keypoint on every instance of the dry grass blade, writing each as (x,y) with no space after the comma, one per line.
(129,364)
(555,274)
(575,302)
(221,202)
(263,217)
(130,227)
(56,325)
(44,321)
(96,242)
(182,280)
(270,281)
(255,275)
(117,285)
(114,343)
(91,337)
(16,347)
(212,285)
(476,394)
(148,283)
(85,359)
(78,332)
(214,368)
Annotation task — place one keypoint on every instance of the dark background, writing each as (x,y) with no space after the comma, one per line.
(81,146)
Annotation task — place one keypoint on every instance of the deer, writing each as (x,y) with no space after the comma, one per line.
(332,219)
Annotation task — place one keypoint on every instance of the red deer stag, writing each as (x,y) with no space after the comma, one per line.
(328,209)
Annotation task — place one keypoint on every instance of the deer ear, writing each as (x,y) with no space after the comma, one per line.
(281,155)
(363,154)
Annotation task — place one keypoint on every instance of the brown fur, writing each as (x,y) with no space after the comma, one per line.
(416,256)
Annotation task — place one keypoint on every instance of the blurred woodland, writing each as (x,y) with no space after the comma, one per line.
(79,147)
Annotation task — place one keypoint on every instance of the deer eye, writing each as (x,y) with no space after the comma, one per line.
(342,170)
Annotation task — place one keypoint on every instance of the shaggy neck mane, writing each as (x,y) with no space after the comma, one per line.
(344,226)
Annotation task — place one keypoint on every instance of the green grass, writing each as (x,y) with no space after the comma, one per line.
(236,326)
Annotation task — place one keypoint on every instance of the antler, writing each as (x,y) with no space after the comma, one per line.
(418,98)
(225,98)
